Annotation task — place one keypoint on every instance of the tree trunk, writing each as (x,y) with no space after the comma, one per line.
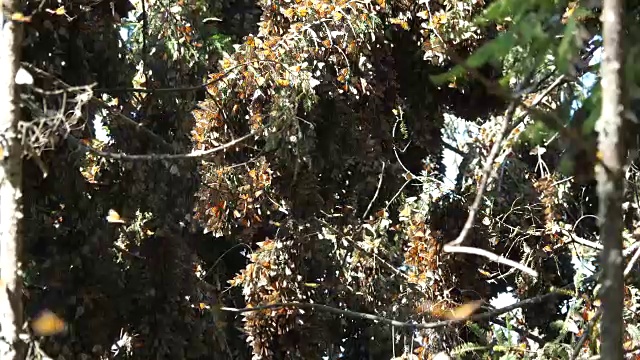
(11,320)
(610,175)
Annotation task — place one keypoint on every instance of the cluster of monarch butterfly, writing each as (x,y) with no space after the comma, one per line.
(299,45)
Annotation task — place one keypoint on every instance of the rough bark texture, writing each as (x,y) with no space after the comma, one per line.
(11,311)
(610,175)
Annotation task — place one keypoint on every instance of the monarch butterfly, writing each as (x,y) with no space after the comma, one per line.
(47,323)
(114,217)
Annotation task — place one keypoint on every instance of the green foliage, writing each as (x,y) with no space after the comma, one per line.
(467,348)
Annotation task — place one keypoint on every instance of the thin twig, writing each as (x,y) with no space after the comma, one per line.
(549,119)
(121,249)
(398,193)
(215,263)
(582,218)
(491,256)
(118,115)
(198,154)
(375,196)
(585,334)
(448,146)
(145,26)
(360,248)
(215,79)
(487,172)
(584,242)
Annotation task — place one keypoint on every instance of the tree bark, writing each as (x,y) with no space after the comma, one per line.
(11,311)
(610,176)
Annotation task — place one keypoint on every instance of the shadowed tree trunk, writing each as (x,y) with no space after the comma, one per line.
(11,320)
(610,174)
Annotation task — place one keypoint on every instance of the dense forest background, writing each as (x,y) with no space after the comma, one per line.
(318,179)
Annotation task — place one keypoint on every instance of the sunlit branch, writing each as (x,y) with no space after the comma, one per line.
(198,154)
(396,323)
(491,256)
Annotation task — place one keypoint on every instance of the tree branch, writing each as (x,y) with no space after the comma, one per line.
(375,196)
(448,146)
(523,332)
(396,323)
(198,154)
(185,88)
(491,256)
(631,263)
(487,172)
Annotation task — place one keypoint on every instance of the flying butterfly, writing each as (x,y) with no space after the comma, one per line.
(47,323)
(114,217)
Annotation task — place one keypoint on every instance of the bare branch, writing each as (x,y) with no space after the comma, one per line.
(396,323)
(448,146)
(491,256)
(123,119)
(489,171)
(375,196)
(626,252)
(632,262)
(198,154)
(584,242)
